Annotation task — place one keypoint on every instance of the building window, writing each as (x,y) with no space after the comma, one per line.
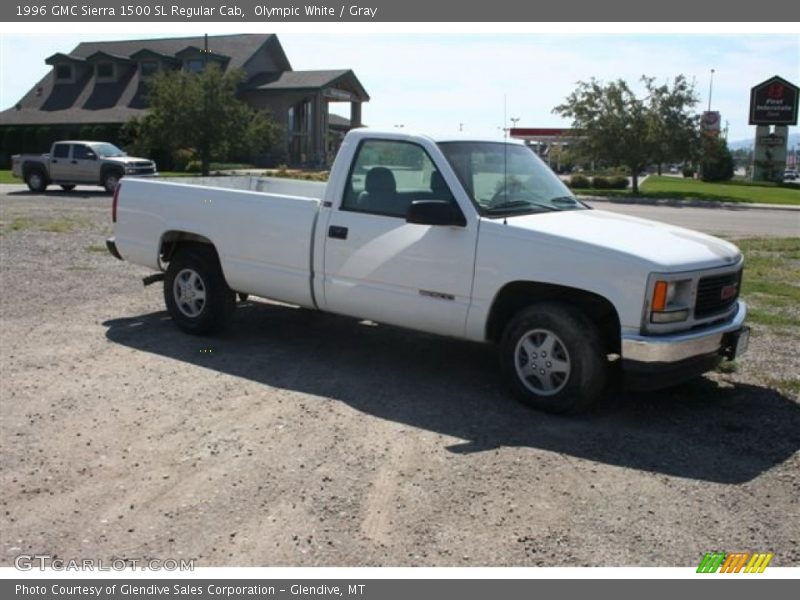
(195,65)
(104,70)
(149,68)
(63,72)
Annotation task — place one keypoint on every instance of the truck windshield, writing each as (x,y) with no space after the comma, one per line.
(105,150)
(504,179)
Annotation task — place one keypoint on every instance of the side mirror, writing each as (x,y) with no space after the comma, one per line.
(435,212)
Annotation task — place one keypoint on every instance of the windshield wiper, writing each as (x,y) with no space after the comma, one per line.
(518,206)
(567,201)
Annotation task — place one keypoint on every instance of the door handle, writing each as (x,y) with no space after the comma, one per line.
(54,160)
(74,162)
(338,233)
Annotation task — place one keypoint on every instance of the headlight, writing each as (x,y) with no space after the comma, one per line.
(670,300)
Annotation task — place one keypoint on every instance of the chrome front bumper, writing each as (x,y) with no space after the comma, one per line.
(676,347)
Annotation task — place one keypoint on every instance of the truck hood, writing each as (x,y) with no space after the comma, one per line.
(665,247)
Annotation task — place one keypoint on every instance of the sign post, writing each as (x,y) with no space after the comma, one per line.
(773,107)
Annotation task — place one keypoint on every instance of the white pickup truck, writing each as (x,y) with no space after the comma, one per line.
(467,238)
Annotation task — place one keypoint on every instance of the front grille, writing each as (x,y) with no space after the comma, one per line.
(145,171)
(710,300)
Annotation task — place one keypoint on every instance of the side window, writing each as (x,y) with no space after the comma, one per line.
(388,176)
(79,151)
(61,151)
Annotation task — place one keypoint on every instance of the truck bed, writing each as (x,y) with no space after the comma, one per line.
(264,239)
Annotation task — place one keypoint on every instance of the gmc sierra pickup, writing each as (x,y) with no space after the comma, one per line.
(79,163)
(468,238)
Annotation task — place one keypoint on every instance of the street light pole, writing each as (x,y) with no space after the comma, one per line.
(710,89)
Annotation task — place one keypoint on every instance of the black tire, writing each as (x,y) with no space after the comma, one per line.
(36,180)
(110,180)
(575,369)
(67,187)
(214,313)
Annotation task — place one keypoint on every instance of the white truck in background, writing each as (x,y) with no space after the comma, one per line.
(474,239)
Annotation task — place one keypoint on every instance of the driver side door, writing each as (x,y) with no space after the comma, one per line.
(382,268)
(84,164)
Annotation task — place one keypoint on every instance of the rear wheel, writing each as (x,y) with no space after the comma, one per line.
(36,180)
(197,297)
(67,187)
(553,358)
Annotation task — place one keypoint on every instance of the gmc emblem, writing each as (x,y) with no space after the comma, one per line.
(728,292)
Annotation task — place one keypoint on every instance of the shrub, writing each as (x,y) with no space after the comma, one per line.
(717,161)
(601,183)
(194,166)
(182,157)
(579,182)
(618,183)
(688,172)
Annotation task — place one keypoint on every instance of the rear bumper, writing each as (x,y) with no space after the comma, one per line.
(111,245)
(652,362)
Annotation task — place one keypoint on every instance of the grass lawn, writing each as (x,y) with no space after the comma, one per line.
(6,177)
(734,191)
(771,282)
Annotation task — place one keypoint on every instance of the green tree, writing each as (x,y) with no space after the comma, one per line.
(674,127)
(200,111)
(618,127)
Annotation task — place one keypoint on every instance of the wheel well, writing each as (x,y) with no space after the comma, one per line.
(106,168)
(515,296)
(28,168)
(172,241)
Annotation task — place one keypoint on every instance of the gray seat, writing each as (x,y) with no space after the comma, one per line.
(380,192)
(439,188)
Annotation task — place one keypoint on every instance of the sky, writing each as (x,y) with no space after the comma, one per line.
(439,83)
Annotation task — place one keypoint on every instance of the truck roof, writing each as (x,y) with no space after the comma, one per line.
(454,137)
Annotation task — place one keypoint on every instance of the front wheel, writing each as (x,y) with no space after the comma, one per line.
(110,181)
(197,297)
(553,358)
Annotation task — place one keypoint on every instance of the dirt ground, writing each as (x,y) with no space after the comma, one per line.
(300,438)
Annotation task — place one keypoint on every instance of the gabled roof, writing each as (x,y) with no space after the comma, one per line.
(100,54)
(148,52)
(307,80)
(60,57)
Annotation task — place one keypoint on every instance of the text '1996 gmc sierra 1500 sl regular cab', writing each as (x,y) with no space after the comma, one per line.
(466,238)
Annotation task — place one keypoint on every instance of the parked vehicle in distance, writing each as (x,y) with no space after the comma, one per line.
(72,163)
(474,239)
(789,175)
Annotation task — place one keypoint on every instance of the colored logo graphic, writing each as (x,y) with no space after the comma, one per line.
(736,562)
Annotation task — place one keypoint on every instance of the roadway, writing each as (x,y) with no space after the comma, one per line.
(730,219)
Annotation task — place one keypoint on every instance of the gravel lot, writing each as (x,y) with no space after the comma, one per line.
(300,438)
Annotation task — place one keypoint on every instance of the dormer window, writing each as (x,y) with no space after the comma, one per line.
(104,71)
(194,65)
(149,68)
(63,72)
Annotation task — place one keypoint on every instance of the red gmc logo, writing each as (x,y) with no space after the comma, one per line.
(728,292)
